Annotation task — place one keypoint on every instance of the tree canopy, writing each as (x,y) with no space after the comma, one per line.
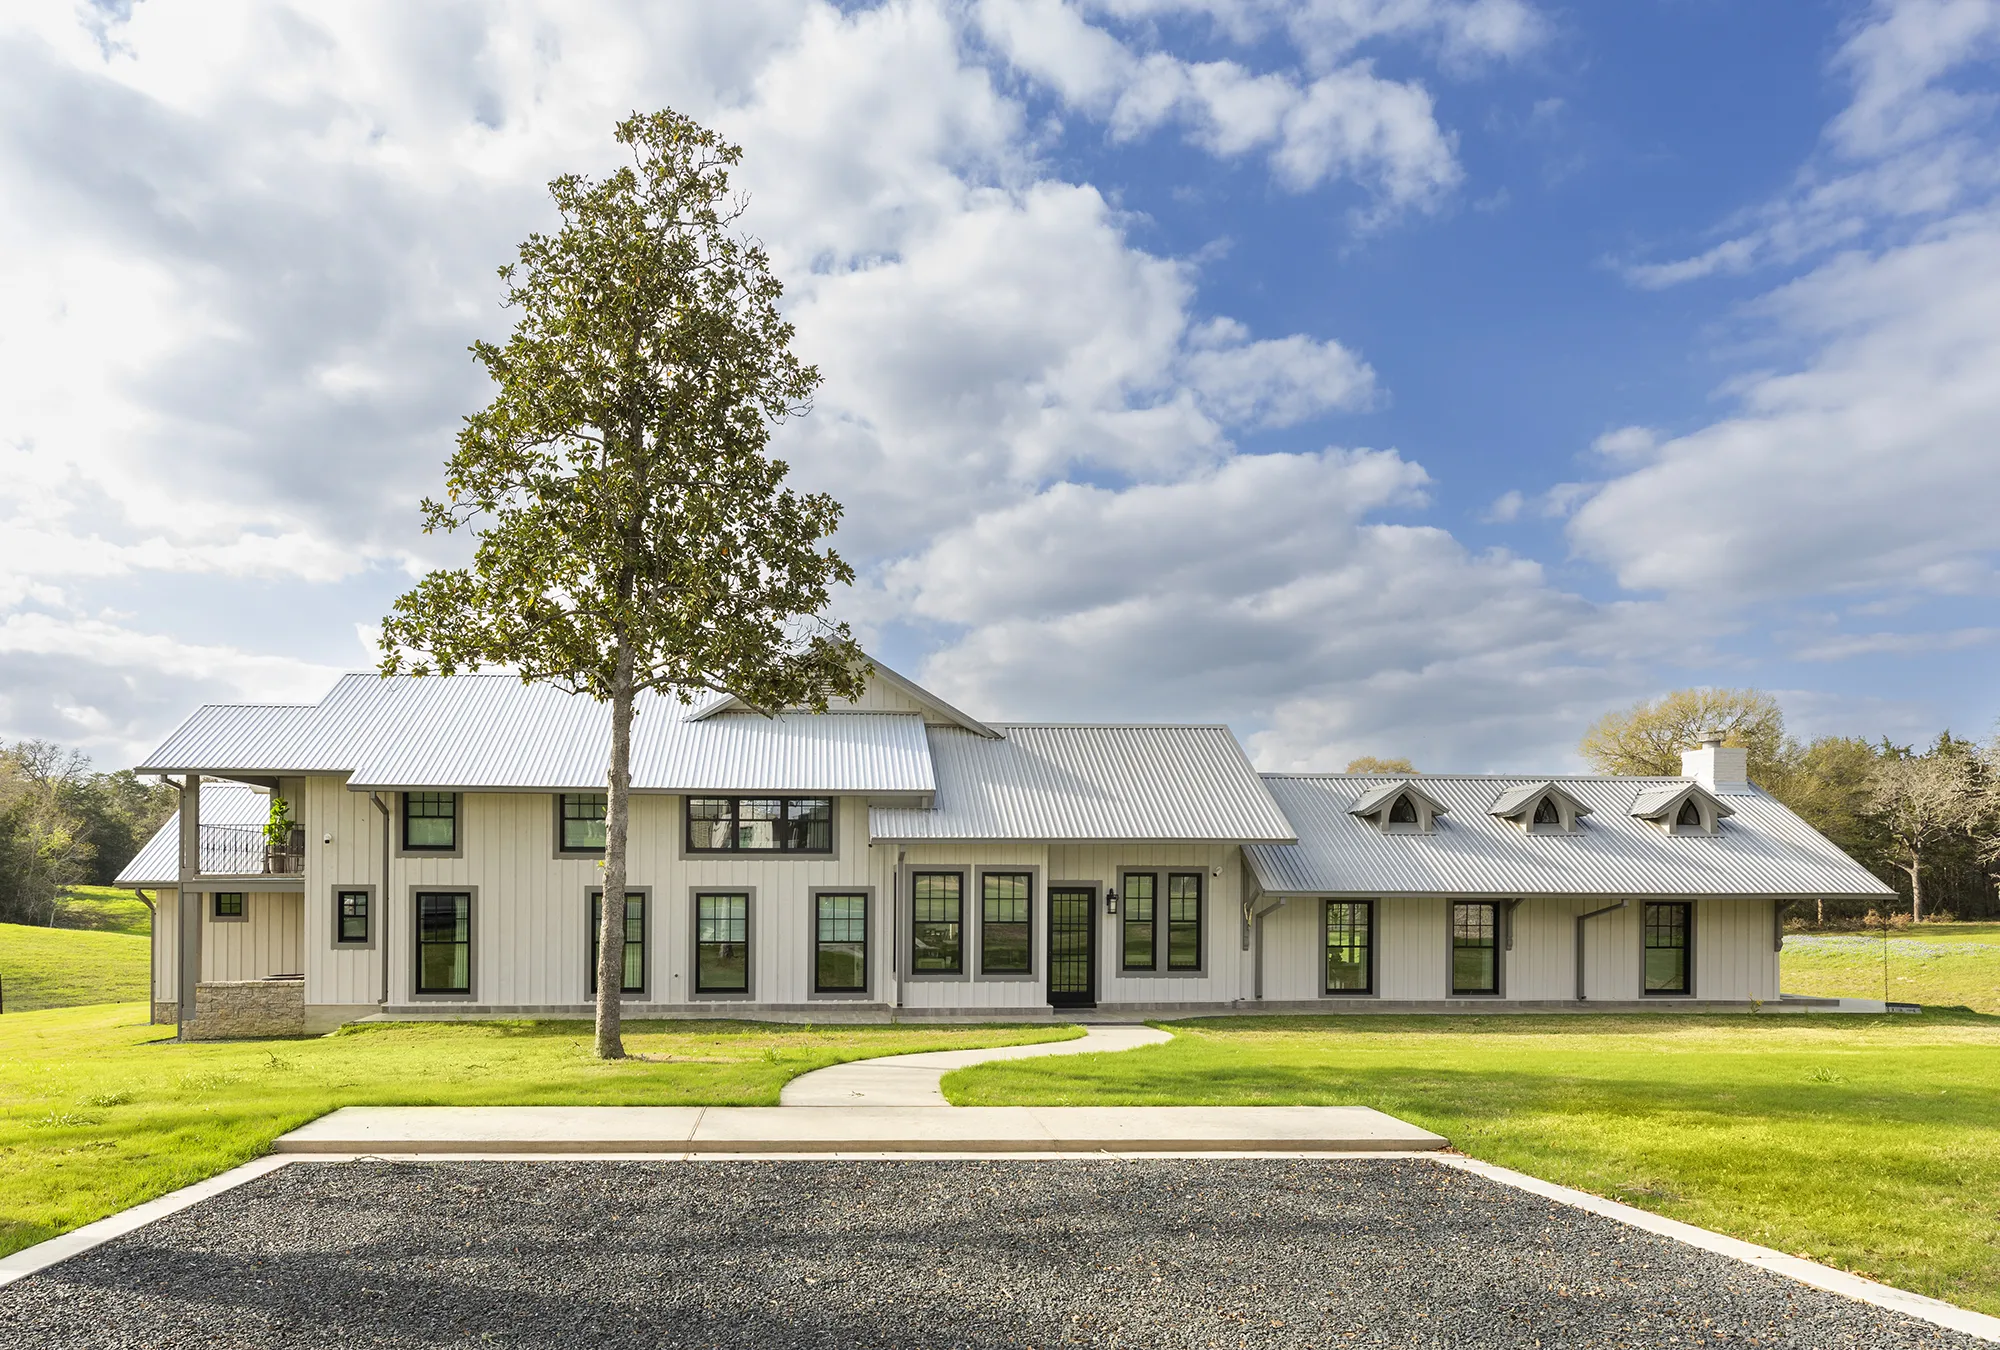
(1648,737)
(1370,764)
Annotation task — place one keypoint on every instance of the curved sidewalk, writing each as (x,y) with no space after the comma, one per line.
(912,1080)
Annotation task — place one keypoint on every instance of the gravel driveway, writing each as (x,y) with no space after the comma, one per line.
(1159,1252)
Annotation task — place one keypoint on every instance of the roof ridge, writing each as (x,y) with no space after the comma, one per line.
(1500,777)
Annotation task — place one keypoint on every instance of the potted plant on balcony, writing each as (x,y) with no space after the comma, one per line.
(281,850)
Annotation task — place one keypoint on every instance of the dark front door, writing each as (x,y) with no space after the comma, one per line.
(1072,948)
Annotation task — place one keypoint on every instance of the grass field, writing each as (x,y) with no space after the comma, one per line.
(1951,965)
(63,967)
(105,909)
(1872,1144)
(99,1111)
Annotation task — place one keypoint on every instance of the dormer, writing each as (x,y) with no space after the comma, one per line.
(1539,808)
(1682,808)
(1398,808)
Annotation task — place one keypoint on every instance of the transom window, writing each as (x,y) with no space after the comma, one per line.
(937,923)
(1163,915)
(840,944)
(1475,947)
(430,822)
(722,942)
(634,979)
(760,825)
(580,817)
(350,917)
(1668,967)
(444,942)
(1005,901)
(1350,947)
(228,904)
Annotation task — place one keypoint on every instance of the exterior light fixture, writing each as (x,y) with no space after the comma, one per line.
(1110,899)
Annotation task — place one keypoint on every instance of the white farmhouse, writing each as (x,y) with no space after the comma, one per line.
(895,857)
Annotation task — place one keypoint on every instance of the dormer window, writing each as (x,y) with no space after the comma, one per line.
(1681,808)
(1398,808)
(1540,808)
(1689,817)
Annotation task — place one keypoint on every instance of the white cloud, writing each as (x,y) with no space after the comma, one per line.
(1505,508)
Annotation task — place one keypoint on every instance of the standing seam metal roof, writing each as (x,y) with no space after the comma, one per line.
(1046,781)
(1763,849)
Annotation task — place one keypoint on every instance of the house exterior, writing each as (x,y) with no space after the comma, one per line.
(895,857)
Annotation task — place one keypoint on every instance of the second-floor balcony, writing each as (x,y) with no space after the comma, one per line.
(243,851)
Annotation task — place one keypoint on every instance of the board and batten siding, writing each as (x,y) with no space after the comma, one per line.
(264,943)
(166,944)
(1734,960)
(966,990)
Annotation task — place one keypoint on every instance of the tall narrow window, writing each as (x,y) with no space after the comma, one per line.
(1005,901)
(722,943)
(634,981)
(1141,898)
(937,927)
(350,917)
(580,817)
(1475,947)
(1350,947)
(444,942)
(1668,967)
(430,822)
(840,944)
(760,825)
(1184,921)
(228,904)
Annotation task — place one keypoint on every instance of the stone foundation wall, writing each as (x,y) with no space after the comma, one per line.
(248,1010)
(165,1012)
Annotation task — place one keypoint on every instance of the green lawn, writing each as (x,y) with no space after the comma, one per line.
(1952,965)
(62,967)
(99,1111)
(106,909)
(1872,1144)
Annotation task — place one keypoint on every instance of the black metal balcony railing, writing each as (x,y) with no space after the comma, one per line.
(242,850)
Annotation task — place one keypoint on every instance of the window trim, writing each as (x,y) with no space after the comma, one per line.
(341,944)
(215,914)
(1036,899)
(1687,965)
(868,921)
(1161,969)
(471,991)
(403,849)
(560,850)
(748,993)
(1499,988)
(1124,896)
(643,993)
(686,823)
(907,919)
(1166,921)
(1368,989)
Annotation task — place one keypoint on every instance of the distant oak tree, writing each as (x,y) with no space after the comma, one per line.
(1370,764)
(633,532)
(1647,738)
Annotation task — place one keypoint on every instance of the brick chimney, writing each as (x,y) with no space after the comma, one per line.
(1717,767)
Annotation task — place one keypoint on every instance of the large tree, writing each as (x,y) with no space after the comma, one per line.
(1923,801)
(1648,737)
(634,533)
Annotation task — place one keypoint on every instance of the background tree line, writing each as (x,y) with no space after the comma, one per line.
(62,825)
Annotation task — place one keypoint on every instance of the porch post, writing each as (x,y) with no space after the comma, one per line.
(188,906)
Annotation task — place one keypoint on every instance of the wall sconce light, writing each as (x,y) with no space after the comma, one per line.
(326,839)
(1110,899)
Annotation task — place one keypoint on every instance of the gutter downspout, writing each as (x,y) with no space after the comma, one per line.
(896,932)
(1257,943)
(382,919)
(1582,919)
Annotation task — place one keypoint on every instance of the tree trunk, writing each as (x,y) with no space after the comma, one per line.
(617,819)
(1819,908)
(1916,889)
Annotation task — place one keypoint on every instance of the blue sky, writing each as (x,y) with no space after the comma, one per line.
(1380,376)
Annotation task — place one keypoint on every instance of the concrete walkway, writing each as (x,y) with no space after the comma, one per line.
(912,1080)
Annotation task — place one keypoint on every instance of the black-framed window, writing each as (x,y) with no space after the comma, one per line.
(350,917)
(1006,899)
(1137,948)
(760,825)
(1669,951)
(430,822)
(722,942)
(937,923)
(228,904)
(1475,947)
(840,943)
(1184,920)
(1350,947)
(634,978)
(580,822)
(444,942)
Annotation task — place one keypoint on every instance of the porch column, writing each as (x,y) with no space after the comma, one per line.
(189,907)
